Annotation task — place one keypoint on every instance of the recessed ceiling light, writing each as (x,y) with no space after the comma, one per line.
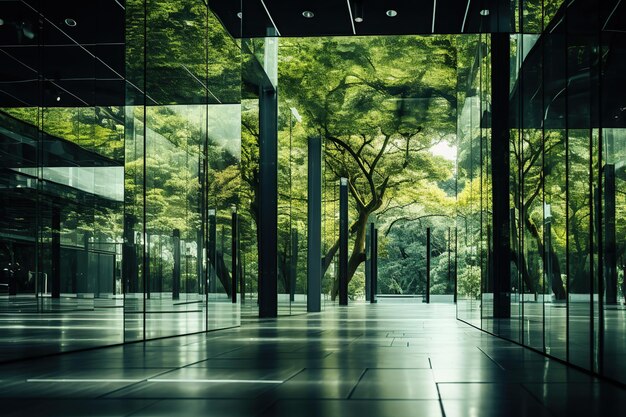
(70,22)
(1,22)
(484,12)
(58,98)
(239,15)
(392,13)
(27,30)
(308,14)
(358,11)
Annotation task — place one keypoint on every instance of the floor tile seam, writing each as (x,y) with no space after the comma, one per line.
(538,400)
(360,400)
(224,353)
(274,388)
(357,383)
(491,359)
(104,396)
(194,398)
(354,340)
(443,410)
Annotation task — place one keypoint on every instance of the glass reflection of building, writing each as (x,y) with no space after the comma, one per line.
(132,142)
(543,120)
(118,128)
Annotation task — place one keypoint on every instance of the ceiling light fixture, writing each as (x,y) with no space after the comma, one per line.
(70,22)
(58,98)
(308,14)
(27,30)
(239,15)
(484,12)
(1,22)
(358,11)
(392,13)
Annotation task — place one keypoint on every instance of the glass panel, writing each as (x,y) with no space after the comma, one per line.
(484,244)
(556,175)
(580,234)
(292,210)
(468,271)
(134,175)
(614,181)
(62,165)
(249,203)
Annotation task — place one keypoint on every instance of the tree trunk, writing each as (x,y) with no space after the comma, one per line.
(555,274)
(222,272)
(358,250)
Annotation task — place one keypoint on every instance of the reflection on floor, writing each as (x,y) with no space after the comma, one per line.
(546,324)
(382,360)
(33,327)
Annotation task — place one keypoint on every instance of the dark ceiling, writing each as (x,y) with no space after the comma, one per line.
(336,17)
(76,65)
(47,61)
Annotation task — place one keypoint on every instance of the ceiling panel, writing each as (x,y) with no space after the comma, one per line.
(332,17)
(82,63)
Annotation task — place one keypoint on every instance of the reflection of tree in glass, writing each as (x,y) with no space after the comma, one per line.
(380,104)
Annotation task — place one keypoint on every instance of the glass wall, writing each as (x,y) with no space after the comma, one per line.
(566,121)
(121,153)
(292,210)
(472,180)
(182,169)
(62,175)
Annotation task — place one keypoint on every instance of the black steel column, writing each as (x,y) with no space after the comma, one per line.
(428,265)
(368,263)
(147,268)
(242,280)
(500,169)
(55,253)
(176,271)
(234,250)
(314,226)
(610,259)
(547,235)
(449,257)
(374,265)
(343,242)
(456,251)
(268,202)
(199,252)
(129,255)
(293,264)
(212,285)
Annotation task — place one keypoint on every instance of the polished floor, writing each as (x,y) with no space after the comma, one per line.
(32,326)
(389,359)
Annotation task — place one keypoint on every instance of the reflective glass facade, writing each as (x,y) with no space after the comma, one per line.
(563,287)
(121,173)
(155,171)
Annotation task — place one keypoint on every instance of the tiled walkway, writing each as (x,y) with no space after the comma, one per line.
(385,360)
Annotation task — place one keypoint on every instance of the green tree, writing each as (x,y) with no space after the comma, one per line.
(380,104)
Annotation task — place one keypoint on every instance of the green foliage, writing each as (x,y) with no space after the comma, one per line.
(469,282)
(380,111)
